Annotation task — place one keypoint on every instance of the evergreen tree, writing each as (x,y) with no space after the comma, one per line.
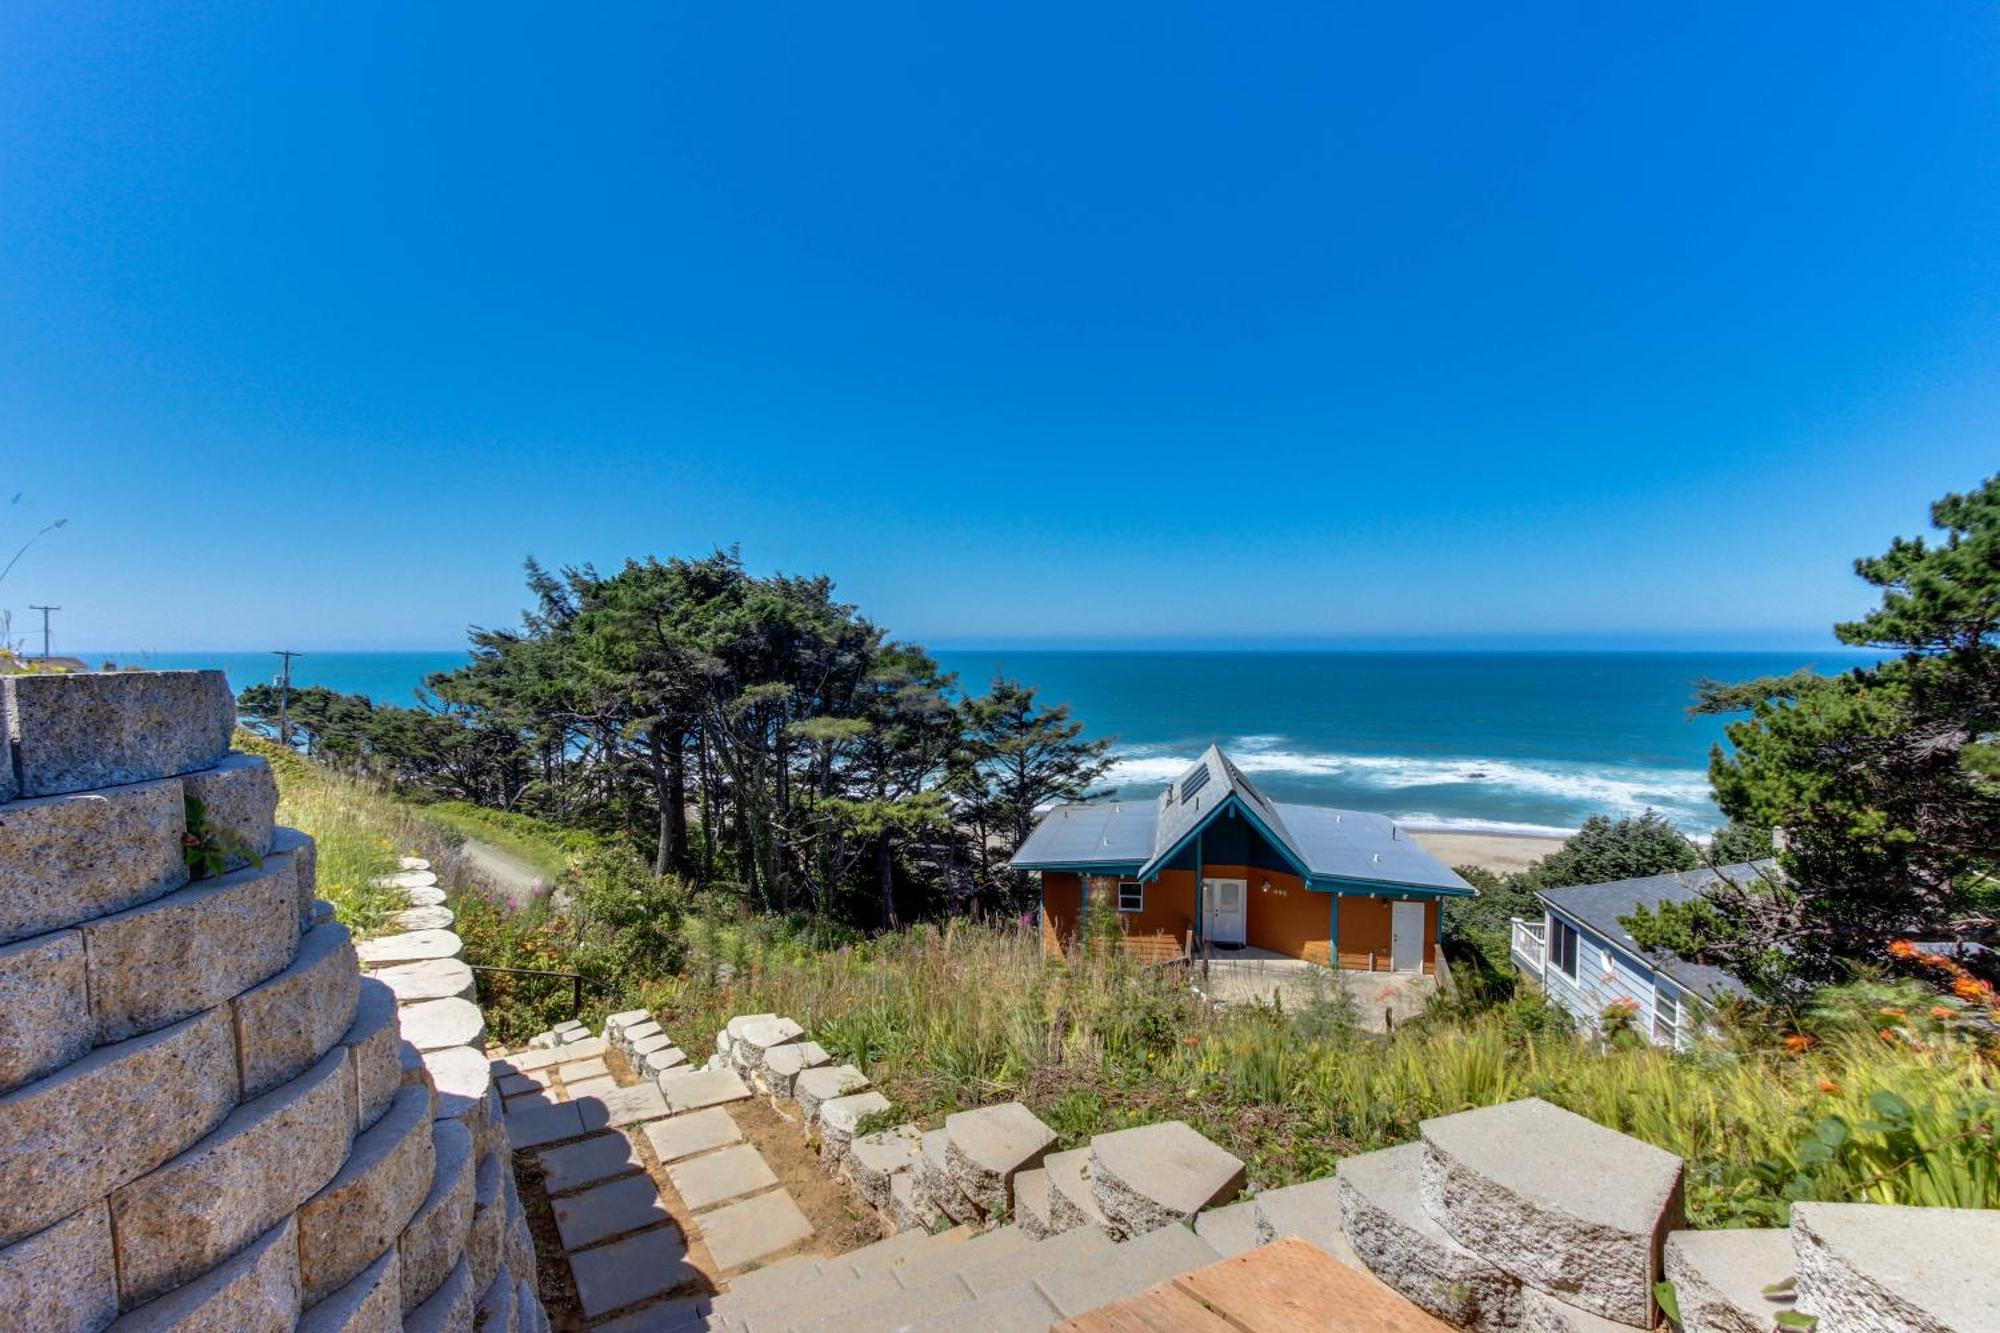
(1017,758)
(1882,779)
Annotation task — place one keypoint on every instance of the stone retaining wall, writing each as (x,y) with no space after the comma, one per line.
(209,1116)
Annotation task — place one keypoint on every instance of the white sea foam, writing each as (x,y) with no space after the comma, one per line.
(1616,790)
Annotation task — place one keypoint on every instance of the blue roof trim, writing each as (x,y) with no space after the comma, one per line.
(1151,870)
(1129,868)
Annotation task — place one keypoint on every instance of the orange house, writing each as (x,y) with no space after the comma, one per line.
(1211,861)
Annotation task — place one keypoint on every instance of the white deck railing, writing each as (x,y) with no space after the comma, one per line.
(1528,946)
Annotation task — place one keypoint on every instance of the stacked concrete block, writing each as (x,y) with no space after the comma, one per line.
(646,1047)
(1158,1175)
(1573,1210)
(208,1118)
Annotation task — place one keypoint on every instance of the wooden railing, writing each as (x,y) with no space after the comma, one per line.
(1527,945)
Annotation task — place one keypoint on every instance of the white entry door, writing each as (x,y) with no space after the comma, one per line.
(1406,937)
(1222,920)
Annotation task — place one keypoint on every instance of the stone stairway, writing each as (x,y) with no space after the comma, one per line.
(655,1193)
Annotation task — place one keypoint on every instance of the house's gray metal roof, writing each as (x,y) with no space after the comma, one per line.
(1598,907)
(1143,835)
(1111,833)
(1354,844)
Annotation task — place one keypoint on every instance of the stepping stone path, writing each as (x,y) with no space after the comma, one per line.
(636,1261)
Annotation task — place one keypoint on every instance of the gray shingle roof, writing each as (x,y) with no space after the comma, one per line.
(1141,836)
(1598,907)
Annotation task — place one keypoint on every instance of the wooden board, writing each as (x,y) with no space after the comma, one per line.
(1288,1286)
(1161,1309)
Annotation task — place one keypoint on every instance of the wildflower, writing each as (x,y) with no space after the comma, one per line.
(1887,1034)
(1970,988)
(1902,949)
(1941,1013)
(1190,1041)
(1893,1013)
(1828,1086)
(1798,1043)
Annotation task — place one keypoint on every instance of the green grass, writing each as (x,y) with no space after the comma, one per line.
(549,848)
(947,1019)
(360,832)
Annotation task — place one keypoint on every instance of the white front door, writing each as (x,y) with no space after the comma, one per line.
(1406,937)
(1222,918)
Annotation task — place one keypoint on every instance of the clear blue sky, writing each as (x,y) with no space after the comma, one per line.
(1026,323)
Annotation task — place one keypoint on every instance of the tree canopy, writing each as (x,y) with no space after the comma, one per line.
(754,735)
(1882,780)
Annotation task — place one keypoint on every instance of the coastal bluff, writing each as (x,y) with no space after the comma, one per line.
(210,1116)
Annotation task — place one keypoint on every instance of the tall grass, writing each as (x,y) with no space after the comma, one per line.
(360,832)
(943,1019)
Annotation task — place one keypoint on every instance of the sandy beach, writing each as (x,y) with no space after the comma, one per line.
(1502,853)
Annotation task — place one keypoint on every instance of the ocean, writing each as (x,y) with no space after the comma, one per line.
(1524,742)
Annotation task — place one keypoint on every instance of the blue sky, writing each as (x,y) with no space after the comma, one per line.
(1029,324)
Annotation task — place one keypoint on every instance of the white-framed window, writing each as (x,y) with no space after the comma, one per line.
(1562,947)
(1131,896)
(1666,1014)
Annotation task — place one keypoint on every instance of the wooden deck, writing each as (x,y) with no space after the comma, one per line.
(1288,1286)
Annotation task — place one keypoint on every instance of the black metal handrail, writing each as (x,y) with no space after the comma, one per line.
(576,980)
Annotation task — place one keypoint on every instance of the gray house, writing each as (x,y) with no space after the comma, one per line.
(1586,961)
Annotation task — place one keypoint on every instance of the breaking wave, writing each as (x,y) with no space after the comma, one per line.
(1560,788)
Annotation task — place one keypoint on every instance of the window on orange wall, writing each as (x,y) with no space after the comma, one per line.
(1131,896)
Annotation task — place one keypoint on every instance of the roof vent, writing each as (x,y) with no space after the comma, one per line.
(1378,858)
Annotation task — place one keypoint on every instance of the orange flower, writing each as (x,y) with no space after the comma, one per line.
(1893,1013)
(1941,1013)
(1828,1086)
(1887,1034)
(1190,1041)
(1970,988)
(1902,949)
(1798,1043)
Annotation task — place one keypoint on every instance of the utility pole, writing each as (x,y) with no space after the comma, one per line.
(45,626)
(285,694)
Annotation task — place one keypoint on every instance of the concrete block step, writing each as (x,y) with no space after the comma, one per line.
(934,1181)
(909,1206)
(1561,1202)
(1231,1229)
(1157,1175)
(1310,1211)
(997,1272)
(1021,1308)
(1382,1212)
(897,1249)
(1031,1203)
(1116,1273)
(1720,1277)
(872,1159)
(1072,1202)
(987,1147)
(824,1083)
(1876,1267)
(947,1260)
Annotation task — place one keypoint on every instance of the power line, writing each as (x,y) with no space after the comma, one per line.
(45,623)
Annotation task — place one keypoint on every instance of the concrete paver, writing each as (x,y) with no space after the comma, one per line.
(696,1132)
(739,1233)
(627,1271)
(706,1181)
(609,1209)
(575,1165)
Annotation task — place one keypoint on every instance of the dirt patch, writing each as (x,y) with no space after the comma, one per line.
(552,1278)
(840,1221)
